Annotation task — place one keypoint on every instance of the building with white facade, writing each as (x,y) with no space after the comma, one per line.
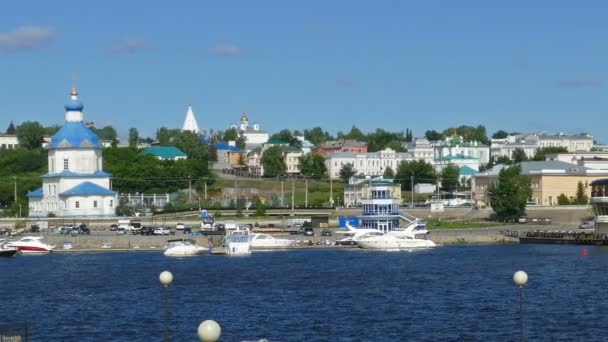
(253,133)
(529,143)
(456,146)
(9,141)
(75,184)
(505,147)
(367,164)
(291,157)
(421,148)
(457,160)
(190,123)
(572,142)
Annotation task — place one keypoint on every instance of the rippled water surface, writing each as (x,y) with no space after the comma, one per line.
(454,293)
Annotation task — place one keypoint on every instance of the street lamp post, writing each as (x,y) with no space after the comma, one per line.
(166,278)
(521,278)
(209,331)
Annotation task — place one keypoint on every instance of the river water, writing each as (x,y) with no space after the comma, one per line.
(452,293)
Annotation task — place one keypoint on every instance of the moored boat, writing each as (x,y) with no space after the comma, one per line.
(7,252)
(183,247)
(268,241)
(392,241)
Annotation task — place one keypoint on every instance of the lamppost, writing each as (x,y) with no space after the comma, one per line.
(209,331)
(166,278)
(521,278)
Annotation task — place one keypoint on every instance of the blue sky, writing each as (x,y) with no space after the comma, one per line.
(516,65)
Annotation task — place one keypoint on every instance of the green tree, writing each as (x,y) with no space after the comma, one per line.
(317,135)
(165,136)
(468,133)
(287,137)
(381,139)
(563,200)
(51,130)
(312,166)
(541,153)
(273,162)
(581,195)
(389,173)
(500,134)
(449,177)
(433,135)
(11,129)
(347,171)
(230,135)
(30,135)
(508,197)
(260,207)
(241,141)
(354,134)
(422,172)
(191,144)
(106,133)
(519,155)
(133,137)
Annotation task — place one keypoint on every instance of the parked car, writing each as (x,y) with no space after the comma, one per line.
(326,232)
(271,225)
(163,231)
(308,231)
(65,230)
(187,230)
(147,230)
(346,242)
(587,225)
(180,226)
(84,229)
(35,228)
(113,227)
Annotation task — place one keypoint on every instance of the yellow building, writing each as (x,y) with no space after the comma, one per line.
(549,179)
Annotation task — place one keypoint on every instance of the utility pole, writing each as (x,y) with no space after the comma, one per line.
(331,191)
(412,189)
(293,197)
(282,196)
(189,190)
(236,194)
(15,179)
(306,194)
(205,189)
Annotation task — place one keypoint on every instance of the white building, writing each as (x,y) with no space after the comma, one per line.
(253,133)
(368,164)
(456,146)
(505,147)
(421,148)
(457,160)
(75,184)
(190,123)
(529,143)
(9,141)
(597,160)
(573,142)
(291,157)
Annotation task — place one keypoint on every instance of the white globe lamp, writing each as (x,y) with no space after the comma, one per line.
(209,331)
(520,278)
(166,278)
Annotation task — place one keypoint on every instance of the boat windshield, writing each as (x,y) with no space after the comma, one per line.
(238,238)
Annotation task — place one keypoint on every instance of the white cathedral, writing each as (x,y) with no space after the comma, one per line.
(75,184)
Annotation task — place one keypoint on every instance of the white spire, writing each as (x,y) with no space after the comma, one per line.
(190,123)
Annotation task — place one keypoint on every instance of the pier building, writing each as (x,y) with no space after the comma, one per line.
(75,184)
(599,202)
(380,205)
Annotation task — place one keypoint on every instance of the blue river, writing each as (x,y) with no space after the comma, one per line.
(452,293)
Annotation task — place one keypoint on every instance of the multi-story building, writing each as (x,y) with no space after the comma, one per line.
(529,143)
(458,160)
(9,141)
(506,147)
(341,146)
(599,202)
(367,164)
(549,180)
(229,156)
(456,146)
(359,186)
(421,148)
(291,157)
(573,142)
(591,159)
(380,205)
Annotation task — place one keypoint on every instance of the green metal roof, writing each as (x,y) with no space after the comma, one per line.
(467,171)
(457,157)
(165,152)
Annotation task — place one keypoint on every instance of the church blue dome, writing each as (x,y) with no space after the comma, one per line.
(75,135)
(74,106)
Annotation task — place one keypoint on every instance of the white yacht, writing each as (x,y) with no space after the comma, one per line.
(31,245)
(268,241)
(237,241)
(183,247)
(380,240)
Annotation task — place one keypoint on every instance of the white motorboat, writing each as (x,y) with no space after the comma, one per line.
(183,247)
(31,245)
(237,241)
(268,241)
(5,251)
(392,241)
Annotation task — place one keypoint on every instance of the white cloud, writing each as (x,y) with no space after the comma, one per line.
(226,50)
(129,45)
(26,38)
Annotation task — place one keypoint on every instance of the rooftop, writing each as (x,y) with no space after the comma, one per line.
(87,188)
(165,152)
